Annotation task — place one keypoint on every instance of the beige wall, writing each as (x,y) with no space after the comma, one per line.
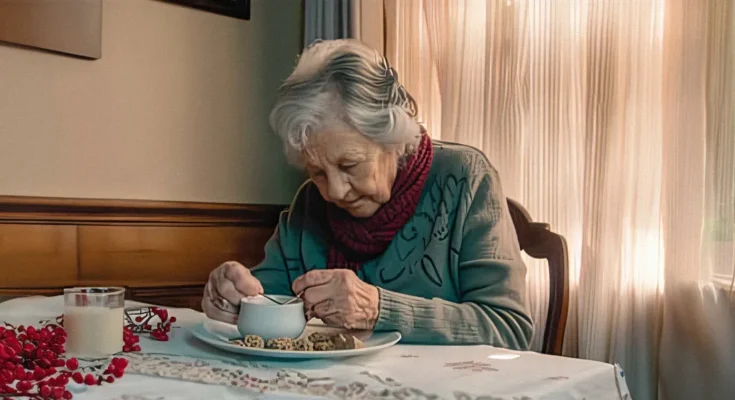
(176,109)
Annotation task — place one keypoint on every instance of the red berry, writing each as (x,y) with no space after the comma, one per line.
(68,395)
(172,319)
(120,363)
(9,352)
(45,391)
(29,347)
(110,379)
(14,345)
(117,373)
(58,392)
(89,380)
(77,377)
(59,363)
(136,348)
(72,364)
(7,375)
(23,386)
(39,373)
(62,380)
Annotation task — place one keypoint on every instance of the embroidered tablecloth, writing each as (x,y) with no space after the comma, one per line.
(185,368)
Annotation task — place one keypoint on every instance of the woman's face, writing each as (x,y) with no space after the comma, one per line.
(350,170)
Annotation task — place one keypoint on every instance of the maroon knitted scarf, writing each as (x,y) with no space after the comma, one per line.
(359,240)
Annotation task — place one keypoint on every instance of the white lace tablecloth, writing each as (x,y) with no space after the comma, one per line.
(185,368)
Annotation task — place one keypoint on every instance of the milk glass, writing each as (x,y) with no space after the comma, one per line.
(93,320)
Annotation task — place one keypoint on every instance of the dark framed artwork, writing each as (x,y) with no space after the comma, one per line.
(232,8)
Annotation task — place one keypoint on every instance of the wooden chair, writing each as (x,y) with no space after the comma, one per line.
(538,241)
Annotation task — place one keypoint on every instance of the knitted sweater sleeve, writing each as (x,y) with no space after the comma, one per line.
(282,263)
(274,272)
(490,279)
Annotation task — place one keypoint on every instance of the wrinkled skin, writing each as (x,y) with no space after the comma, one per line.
(231,281)
(339,298)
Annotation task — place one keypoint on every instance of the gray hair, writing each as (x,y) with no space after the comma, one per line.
(344,82)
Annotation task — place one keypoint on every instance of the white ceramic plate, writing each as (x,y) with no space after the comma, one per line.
(218,335)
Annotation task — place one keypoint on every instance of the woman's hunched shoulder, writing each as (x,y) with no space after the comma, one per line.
(307,195)
(459,160)
(462,161)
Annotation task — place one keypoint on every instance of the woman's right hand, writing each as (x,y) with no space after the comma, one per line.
(227,284)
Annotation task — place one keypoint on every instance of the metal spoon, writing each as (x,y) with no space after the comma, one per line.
(283,303)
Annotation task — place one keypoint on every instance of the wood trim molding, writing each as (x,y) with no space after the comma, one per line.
(50,210)
(161,251)
(168,294)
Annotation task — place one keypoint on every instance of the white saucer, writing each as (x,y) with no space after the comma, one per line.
(218,334)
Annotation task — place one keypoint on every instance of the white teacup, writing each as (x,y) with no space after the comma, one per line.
(262,317)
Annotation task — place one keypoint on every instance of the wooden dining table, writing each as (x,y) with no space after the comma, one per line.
(186,368)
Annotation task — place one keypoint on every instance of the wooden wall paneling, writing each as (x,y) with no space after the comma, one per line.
(165,255)
(21,209)
(184,296)
(160,251)
(37,255)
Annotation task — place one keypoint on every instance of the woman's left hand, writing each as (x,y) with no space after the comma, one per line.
(339,298)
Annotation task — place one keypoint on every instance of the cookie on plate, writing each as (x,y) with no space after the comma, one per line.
(280,344)
(303,345)
(324,345)
(319,337)
(254,341)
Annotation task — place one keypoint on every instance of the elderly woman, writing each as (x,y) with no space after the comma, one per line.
(392,231)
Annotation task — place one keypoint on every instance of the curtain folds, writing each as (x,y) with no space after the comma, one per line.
(615,122)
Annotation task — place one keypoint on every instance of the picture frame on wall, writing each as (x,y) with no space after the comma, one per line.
(72,28)
(239,9)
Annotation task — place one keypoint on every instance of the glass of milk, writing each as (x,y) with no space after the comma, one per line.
(93,320)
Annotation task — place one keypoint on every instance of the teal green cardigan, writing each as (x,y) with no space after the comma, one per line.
(452,275)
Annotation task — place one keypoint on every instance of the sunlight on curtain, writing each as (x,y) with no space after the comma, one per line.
(698,335)
(611,120)
(408,51)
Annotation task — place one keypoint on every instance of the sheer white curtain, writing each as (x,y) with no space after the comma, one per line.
(698,336)
(613,121)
